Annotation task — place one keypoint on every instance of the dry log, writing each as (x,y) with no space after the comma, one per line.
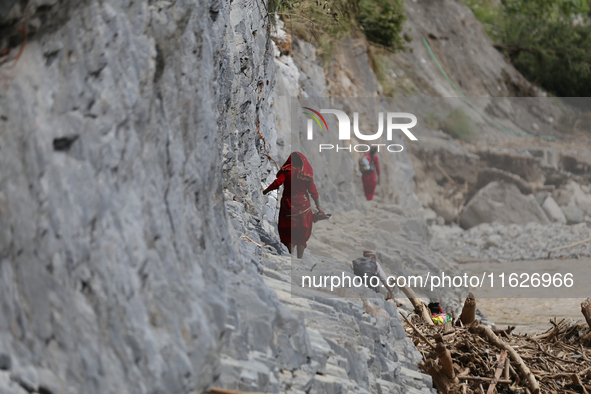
(469,311)
(514,373)
(448,328)
(444,356)
(442,383)
(498,372)
(417,331)
(507,365)
(586,310)
(577,382)
(527,374)
(569,245)
(484,379)
(420,308)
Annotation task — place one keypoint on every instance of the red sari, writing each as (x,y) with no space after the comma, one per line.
(369,179)
(295,214)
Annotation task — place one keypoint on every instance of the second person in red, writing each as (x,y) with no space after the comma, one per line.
(369,179)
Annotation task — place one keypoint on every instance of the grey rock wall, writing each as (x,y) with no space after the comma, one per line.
(114,239)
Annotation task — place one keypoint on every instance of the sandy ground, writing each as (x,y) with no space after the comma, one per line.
(530,315)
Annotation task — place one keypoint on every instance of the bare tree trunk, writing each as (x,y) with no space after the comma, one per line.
(586,310)
(420,308)
(444,356)
(442,383)
(469,311)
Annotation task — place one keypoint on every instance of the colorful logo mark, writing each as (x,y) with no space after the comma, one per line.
(316,117)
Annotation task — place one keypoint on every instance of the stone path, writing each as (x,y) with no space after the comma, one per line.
(356,345)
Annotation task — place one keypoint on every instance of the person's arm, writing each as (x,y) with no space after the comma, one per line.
(276,183)
(314,193)
(377,164)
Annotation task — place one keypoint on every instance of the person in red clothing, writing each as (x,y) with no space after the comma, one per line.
(295,214)
(369,178)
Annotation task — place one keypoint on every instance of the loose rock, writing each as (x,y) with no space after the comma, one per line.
(503,203)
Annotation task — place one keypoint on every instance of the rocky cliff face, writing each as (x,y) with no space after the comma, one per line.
(115,245)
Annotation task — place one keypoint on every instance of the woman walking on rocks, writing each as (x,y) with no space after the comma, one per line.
(295,214)
(369,172)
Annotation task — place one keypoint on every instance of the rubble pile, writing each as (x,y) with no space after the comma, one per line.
(493,241)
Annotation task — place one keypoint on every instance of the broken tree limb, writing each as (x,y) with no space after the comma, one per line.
(446,175)
(577,382)
(444,356)
(442,383)
(448,328)
(417,331)
(486,380)
(420,308)
(569,245)
(507,375)
(469,311)
(498,372)
(523,369)
(586,310)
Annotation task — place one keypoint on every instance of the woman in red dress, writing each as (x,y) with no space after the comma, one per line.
(369,179)
(295,214)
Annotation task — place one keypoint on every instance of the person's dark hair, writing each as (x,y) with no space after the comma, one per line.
(296,160)
(373,150)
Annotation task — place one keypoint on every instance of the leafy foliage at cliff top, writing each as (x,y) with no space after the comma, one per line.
(324,21)
(382,22)
(548,41)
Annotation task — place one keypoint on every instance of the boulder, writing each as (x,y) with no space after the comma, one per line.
(502,202)
(542,195)
(493,241)
(572,195)
(573,214)
(553,211)
(428,215)
(444,208)
(425,199)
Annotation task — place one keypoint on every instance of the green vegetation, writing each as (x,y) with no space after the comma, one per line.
(548,41)
(313,20)
(457,124)
(432,119)
(489,14)
(382,22)
(323,21)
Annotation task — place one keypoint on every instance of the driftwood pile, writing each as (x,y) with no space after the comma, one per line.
(464,357)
